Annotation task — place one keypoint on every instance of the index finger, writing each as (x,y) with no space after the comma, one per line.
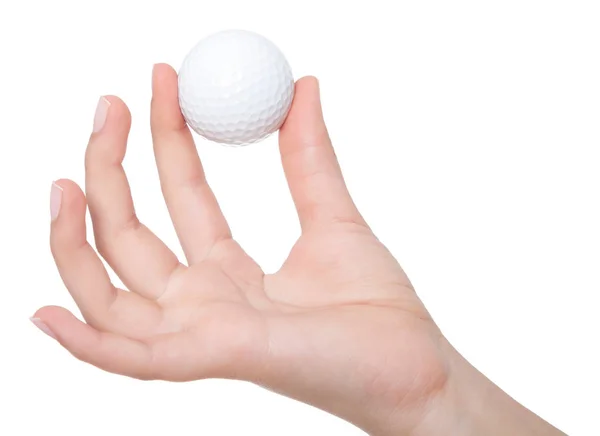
(196,215)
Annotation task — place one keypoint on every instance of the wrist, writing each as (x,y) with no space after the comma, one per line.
(470,404)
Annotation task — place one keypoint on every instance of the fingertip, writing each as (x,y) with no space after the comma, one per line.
(304,125)
(162,75)
(72,197)
(108,351)
(116,102)
(53,321)
(166,113)
(67,210)
(60,324)
(53,316)
(118,112)
(68,185)
(108,140)
(311,83)
(161,68)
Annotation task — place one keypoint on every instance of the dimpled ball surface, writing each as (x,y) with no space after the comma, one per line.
(235,87)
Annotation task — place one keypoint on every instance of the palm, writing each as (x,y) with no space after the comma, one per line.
(339,306)
(338,283)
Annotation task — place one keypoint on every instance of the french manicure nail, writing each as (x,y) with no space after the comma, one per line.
(42,326)
(101,113)
(55,200)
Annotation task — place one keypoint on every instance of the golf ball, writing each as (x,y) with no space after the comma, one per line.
(235,87)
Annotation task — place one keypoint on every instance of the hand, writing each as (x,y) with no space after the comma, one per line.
(339,326)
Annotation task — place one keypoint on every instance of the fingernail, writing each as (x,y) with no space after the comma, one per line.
(43,327)
(154,76)
(55,200)
(101,113)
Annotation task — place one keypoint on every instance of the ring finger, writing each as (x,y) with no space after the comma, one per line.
(142,261)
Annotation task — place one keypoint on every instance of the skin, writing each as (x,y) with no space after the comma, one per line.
(339,326)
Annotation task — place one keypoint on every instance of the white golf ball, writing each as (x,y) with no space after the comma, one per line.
(235,87)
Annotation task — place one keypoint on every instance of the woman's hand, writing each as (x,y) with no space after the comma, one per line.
(339,326)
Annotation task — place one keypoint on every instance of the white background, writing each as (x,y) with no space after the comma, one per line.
(468,132)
